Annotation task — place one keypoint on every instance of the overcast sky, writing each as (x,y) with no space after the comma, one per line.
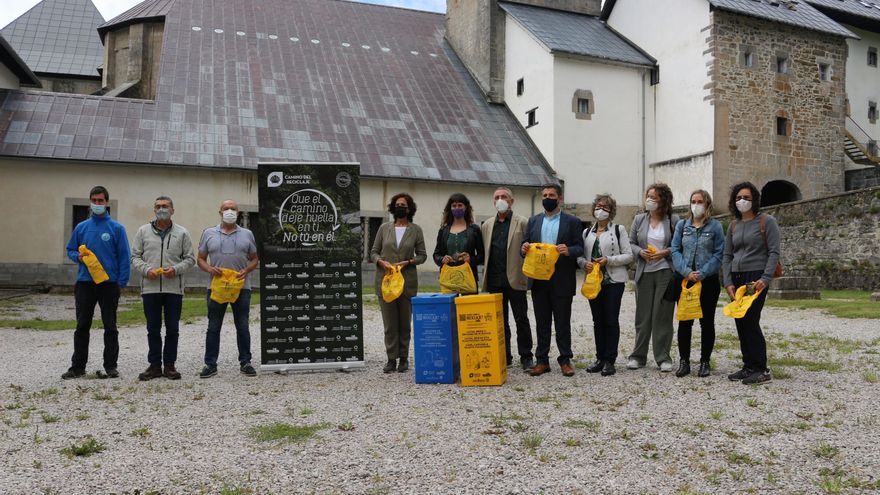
(111,8)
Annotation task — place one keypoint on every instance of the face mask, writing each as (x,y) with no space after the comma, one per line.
(163,214)
(458,212)
(650,204)
(698,210)
(550,204)
(600,214)
(400,212)
(98,209)
(743,205)
(502,206)
(230,216)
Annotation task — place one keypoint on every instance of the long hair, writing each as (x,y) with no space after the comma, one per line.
(410,205)
(756,198)
(665,194)
(447,218)
(707,201)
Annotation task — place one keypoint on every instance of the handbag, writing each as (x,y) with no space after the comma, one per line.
(689,302)
(540,262)
(458,279)
(593,283)
(392,284)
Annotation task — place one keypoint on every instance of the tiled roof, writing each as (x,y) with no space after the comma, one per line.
(14,63)
(577,34)
(291,80)
(868,9)
(791,12)
(59,37)
(148,9)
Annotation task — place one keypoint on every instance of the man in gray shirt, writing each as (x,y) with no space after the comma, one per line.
(228,246)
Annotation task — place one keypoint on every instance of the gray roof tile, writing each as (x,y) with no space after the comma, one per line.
(868,9)
(791,12)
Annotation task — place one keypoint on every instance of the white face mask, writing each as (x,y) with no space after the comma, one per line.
(650,204)
(698,210)
(230,216)
(600,214)
(502,206)
(743,205)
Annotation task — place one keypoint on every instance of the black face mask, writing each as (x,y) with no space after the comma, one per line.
(400,212)
(550,204)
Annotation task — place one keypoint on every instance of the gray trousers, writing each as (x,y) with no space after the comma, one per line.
(653,317)
(397,317)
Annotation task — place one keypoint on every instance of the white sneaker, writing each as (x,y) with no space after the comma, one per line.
(666,366)
(633,364)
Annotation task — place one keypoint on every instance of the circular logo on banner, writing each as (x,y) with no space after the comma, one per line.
(308,217)
(343,179)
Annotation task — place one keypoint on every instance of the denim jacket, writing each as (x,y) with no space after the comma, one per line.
(701,248)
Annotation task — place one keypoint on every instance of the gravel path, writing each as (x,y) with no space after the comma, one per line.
(636,432)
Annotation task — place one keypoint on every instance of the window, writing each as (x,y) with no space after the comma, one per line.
(747,56)
(582,104)
(75,211)
(782,63)
(532,118)
(81,212)
(782,126)
(872,112)
(824,71)
(872,56)
(520,87)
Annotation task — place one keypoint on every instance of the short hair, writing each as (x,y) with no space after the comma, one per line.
(448,218)
(612,204)
(100,190)
(665,194)
(505,189)
(756,198)
(707,198)
(165,198)
(410,205)
(555,187)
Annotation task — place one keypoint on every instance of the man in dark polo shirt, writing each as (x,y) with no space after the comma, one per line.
(502,238)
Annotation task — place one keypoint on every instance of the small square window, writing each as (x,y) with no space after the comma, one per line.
(532,117)
(824,71)
(520,87)
(782,63)
(872,112)
(872,57)
(781,126)
(748,59)
(583,105)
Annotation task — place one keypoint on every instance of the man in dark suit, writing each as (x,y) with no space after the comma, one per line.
(551,299)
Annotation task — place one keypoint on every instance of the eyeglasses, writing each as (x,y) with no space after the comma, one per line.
(603,208)
(747,198)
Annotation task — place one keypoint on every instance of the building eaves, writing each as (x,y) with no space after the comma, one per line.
(11,60)
(864,14)
(147,10)
(795,13)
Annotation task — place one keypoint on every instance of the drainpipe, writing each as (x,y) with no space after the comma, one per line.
(644,159)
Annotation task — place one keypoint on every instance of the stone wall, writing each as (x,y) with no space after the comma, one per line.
(862,178)
(748,101)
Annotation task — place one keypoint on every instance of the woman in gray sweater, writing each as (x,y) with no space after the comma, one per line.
(751,253)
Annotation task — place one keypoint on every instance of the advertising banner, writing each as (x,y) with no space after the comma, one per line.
(310,240)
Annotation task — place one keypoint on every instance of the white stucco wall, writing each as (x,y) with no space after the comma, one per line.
(8,80)
(681,124)
(862,80)
(684,177)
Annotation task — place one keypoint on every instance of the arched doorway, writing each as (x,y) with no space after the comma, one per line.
(779,191)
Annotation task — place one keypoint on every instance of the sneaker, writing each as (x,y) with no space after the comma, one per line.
(739,375)
(171,372)
(666,366)
(633,364)
(403,365)
(208,372)
(72,373)
(150,373)
(108,373)
(757,378)
(248,370)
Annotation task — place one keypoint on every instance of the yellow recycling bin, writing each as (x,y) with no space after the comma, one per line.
(481,344)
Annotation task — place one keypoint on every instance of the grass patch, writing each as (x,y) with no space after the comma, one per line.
(580,423)
(806,364)
(532,441)
(839,303)
(572,442)
(283,432)
(235,490)
(780,373)
(870,376)
(88,447)
(824,450)
(142,432)
(50,418)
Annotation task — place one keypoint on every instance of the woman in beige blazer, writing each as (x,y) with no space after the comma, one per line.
(399,243)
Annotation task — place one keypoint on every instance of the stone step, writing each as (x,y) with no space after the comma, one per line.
(793,294)
(795,283)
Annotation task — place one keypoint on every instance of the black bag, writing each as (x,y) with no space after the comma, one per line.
(673,290)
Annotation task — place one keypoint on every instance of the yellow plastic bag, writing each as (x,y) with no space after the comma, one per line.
(540,262)
(593,282)
(457,279)
(226,287)
(96,270)
(741,303)
(689,302)
(392,284)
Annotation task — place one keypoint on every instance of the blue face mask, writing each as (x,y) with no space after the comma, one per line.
(98,209)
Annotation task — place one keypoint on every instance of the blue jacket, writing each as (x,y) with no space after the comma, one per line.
(699,248)
(563,282)
(107,239)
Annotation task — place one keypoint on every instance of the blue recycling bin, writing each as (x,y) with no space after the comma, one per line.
(435,338)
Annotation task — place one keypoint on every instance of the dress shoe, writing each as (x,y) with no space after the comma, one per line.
(527,364)
(608,369)
(403,365)
(684,368)
(150,373)
(390,366)
(539,369)
(704,369)
(171,372)
(595,367)
(567,370)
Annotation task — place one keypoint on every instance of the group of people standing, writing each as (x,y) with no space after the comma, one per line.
(668,252)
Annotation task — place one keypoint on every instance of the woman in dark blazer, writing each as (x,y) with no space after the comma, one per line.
(399,243)
(459,239)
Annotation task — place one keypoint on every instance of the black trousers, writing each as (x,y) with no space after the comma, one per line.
(708,303)
(606,321)
(87,295)
(751,338)
(516,300)
(551,310)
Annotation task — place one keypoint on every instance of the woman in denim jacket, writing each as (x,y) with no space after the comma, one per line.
(697,247)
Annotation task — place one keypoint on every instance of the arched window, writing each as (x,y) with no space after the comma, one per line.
(779,191)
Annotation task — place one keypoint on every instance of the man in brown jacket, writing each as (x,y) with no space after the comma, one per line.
(502,238)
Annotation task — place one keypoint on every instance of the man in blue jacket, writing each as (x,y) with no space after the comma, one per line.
(107,239)
(551,299)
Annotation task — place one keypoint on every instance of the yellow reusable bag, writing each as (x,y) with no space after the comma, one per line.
(689,302)
(540,262)
(741,303)
(96,270)
(392,284)
(457,279)
(593,282)
(226,287)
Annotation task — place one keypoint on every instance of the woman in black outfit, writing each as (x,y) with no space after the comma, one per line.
(459,239)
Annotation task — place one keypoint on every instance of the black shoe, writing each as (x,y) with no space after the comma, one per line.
(757,378)
(390,366)
(739,375)
(595,367)
(608,369)
(108,373)
(248,370)
(684,368)
(208,372)
(72,373)
(150,373)
(527,364)
(171,372)
(509,361)
(403,365)
(704,369)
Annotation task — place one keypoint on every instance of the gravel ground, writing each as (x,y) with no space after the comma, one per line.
(809,431)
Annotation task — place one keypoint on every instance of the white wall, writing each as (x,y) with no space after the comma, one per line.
(682,123)
(684,177)
(862,81)
(8,80)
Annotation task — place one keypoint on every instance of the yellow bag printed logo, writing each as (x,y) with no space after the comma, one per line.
(741,303)
(689,302)
(392,284)
(226,287)
(96,270)
(540,262)
(592,283)
(457,279)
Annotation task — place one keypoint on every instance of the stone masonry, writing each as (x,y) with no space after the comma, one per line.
(748,101)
